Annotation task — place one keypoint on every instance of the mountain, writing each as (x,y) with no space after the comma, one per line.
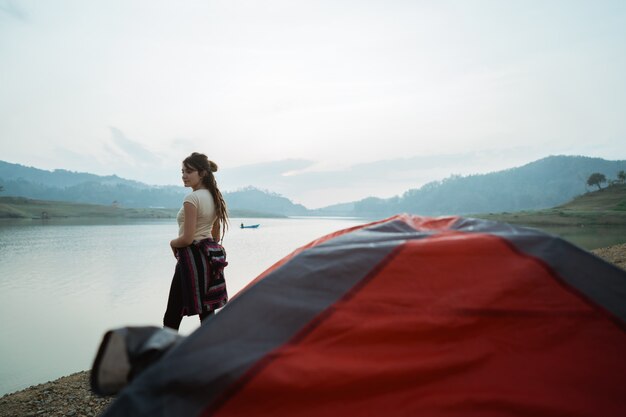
(58,178)
(545,183)
(606,206)
(61,185)
(264,201)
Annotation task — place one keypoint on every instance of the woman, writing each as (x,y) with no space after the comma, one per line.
(198,286)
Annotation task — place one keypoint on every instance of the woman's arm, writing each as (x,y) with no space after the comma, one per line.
(189,227)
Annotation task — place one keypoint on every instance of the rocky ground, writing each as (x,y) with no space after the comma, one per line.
(615,254)
(67,396)
(71,396)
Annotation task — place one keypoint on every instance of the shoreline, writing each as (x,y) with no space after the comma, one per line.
(66,396)
(71,395)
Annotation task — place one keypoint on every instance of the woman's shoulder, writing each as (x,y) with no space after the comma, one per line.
(193,197)
(198,195)
(202,193)
(199,192)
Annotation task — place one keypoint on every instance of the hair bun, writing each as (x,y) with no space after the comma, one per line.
(200,162)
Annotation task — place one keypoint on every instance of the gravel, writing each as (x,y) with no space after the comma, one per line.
(615,254)
(67,396)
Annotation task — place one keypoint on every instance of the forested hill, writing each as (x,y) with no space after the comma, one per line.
(76,187)
(541,184)
(545,183)
(251,198)
(59,178)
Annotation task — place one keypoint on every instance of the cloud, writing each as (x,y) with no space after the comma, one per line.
(182,144)
(134,152)
(273,176)
(10,8)
(304,182)
(80,162)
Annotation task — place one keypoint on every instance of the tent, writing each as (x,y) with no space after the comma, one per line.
(408,316)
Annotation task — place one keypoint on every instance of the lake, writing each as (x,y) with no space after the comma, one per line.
(64,283)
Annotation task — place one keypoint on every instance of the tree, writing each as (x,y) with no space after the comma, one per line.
(596,179)
(621,177)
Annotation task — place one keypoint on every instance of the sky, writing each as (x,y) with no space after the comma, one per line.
(322,101)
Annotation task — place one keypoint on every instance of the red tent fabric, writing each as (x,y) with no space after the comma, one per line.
(407,316)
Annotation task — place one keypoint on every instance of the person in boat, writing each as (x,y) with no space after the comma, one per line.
(198,286)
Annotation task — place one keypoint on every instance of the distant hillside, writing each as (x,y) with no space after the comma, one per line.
(59,178)
(264,201)
(342,209)
(602,207)
(541,184)
(79,187)
(60,185)
(611,198)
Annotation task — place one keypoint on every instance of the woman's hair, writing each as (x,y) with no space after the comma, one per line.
(206,168)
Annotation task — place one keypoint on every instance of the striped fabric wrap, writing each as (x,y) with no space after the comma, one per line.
(201,270)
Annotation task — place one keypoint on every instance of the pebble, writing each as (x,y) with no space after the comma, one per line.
(69,396)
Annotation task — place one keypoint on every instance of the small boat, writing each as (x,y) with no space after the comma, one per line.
(251,226)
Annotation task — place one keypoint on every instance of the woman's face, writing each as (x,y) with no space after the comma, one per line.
(191,178)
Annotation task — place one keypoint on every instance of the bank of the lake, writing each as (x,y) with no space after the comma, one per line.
(26,208)
(66,396)
(603,207)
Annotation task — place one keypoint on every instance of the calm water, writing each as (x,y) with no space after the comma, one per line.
(62,285)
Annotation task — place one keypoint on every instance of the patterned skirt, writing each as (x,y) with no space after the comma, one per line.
(200,267)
